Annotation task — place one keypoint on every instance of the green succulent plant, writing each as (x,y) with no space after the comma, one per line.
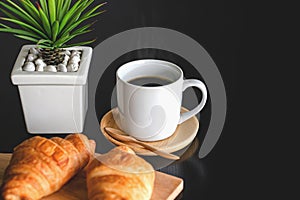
(51,23)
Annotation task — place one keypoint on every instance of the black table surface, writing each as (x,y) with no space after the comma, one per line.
(223,27)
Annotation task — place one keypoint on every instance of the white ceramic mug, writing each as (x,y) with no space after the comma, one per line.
(153,113)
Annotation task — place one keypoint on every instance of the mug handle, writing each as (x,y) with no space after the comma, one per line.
(200,85)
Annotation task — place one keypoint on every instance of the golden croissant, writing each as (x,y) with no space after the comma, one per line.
(120,175)
(41,166)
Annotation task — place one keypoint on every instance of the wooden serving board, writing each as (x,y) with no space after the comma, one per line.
(166,187)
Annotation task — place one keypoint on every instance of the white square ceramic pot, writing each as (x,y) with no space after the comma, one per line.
(53,102)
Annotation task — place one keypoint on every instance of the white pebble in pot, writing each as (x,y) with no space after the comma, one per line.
(66,52)
(40,61)
(39,68)
(75,52)
(50,68)
(29,67)
(72,67)
(31,57)
(66,59)
(74,59)
(61,68)
(64,62)
(34,51)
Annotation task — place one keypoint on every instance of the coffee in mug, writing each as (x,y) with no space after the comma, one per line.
(149,97)
(149,81)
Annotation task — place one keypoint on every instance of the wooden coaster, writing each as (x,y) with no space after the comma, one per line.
(183,135)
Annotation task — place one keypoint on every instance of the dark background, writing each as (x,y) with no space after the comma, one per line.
(244,40)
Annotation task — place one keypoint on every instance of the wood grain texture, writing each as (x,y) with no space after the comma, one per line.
(166,187)
(184,134)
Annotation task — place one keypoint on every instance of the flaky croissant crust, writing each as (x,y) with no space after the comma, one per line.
(120,175)
(41,166)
